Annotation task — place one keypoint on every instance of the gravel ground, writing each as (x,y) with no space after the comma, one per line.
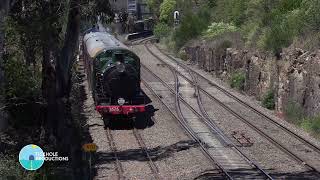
(151,62)
(262,151)
(230,160)
(253,102)
(176,156)
(173,147)
(131,156)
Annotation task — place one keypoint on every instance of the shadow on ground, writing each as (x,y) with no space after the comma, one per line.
(156,153)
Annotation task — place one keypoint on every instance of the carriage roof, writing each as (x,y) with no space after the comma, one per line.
(97,42)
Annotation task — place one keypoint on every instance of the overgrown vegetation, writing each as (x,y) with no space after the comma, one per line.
(217,29)
(167,7)
(162,30)
(41,42)
(312,124)
(295,114)
(237,80)
(191,26)
(11,169)
(269,25)
(268,100)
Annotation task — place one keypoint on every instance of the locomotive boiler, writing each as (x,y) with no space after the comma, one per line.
(113,73)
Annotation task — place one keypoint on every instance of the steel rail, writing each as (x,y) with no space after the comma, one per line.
(113,147)
(143,146)
(237,115)
(190,132)
(273,121)
(206,115)
(207,121)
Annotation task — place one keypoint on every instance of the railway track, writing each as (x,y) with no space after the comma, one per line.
(211,152)
(114,150)
(192,134)
(283,148)
(144,148)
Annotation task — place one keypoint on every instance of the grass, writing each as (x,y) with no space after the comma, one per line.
(294,113)
(268,100)
(237,80)
(312,125)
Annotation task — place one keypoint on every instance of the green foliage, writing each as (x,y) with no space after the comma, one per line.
(161,30)
(12,169)
(238,17)
(191,26)
(167,8)
(22,91)
(20,81)
(312,14)
(216,29)
(237,80)
(183,55)
(212,3)
(268,100)
(312,124)
(154,6)
(271,25)
(294,112)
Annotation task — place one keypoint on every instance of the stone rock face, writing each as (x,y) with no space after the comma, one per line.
(294,77)
(300,80)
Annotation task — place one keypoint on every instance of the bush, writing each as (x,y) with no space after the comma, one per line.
(237,80)
(268,100)
(11,169)
(294,112)
(191,26)
(312,125)
(166,11)
(183,55)
(22,90)
(216,29)
(161,30)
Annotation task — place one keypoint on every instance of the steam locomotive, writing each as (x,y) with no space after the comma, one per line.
(113,73)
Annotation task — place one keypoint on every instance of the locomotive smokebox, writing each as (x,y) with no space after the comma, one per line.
(121,81)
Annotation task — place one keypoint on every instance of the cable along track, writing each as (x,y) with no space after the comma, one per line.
(209,138)
(303,144)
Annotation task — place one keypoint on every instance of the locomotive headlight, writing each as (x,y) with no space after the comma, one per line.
(120,67)
(121,101)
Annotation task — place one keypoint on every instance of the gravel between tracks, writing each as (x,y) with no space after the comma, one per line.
(265,153)
(253,102)
(176,156)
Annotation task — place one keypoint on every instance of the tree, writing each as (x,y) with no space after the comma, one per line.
(52,27)
(167,8)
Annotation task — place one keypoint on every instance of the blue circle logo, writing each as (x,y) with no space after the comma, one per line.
(31,157)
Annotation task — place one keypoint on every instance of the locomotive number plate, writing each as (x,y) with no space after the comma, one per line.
(114,109)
